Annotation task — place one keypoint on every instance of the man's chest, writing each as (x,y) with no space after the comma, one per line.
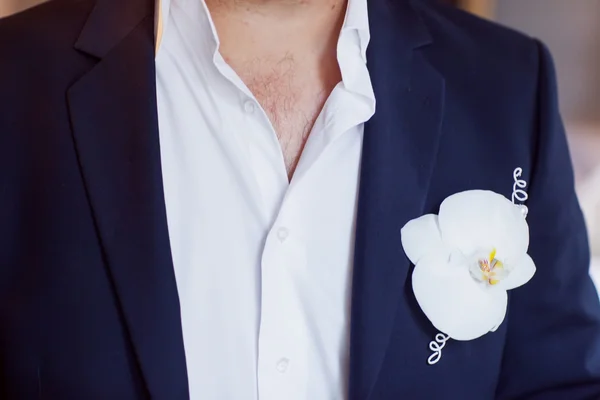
(292,99)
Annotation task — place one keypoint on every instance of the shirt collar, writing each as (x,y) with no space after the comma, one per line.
(356,19)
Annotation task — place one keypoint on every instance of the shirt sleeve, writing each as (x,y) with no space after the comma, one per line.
(552,348)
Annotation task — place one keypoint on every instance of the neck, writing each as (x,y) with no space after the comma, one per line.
(266,5)
(275,8)
(275,27)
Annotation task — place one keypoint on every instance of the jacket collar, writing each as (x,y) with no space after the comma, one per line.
(399,151)
(113,115)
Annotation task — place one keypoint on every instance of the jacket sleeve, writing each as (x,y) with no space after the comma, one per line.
(552,349)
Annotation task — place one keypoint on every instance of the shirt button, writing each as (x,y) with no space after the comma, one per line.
(249,107)
(282,365)
(282,234)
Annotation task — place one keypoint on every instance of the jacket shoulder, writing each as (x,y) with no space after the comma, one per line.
(476,40)
(48,29)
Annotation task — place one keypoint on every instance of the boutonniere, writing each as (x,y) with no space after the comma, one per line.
(466,258)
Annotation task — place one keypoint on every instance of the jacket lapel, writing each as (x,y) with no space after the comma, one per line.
(399,151)
(114,120)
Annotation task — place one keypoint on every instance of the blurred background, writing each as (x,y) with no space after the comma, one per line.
(571,29)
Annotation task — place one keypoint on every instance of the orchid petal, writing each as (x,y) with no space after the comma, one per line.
(452,300)
(519,275)
(501,315)
(477,219)
(421,236)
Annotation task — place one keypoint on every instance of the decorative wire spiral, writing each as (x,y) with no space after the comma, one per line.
(519,194)
(436,346)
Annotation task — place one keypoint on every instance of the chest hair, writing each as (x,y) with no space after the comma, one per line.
(292,97)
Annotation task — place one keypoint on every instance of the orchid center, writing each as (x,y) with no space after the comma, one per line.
(488,269)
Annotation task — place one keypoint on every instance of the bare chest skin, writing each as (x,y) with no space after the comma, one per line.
(292,95)
(285,51)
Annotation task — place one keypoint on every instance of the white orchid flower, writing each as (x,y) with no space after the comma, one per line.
(466,259)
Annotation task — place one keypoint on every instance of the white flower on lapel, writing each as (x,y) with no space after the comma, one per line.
(466,258)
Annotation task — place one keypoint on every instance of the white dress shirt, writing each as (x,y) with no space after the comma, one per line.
(263,266)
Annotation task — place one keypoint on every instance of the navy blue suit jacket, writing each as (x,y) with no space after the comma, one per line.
(88,300)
